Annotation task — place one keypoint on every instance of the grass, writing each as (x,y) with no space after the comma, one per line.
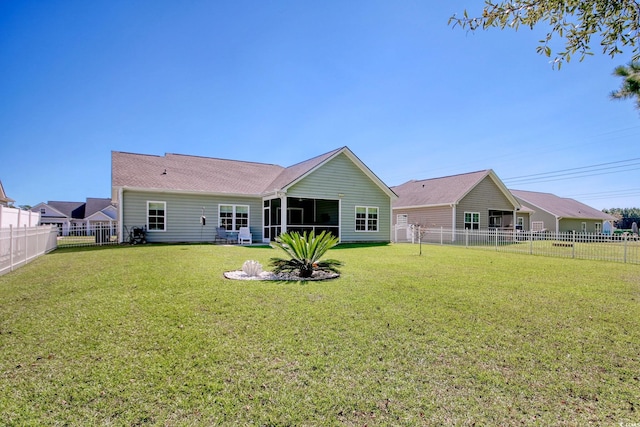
(154,335)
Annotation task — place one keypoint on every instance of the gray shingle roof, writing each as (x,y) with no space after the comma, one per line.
(178,172)
(191,173)
(73,210)
(95,205)
(560,207)
(437,191)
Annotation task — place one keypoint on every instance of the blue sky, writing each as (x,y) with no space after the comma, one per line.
(282,81)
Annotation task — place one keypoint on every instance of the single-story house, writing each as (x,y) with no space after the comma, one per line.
(560,214)
(475,201)
(78,217)
(184,198)
(4,200)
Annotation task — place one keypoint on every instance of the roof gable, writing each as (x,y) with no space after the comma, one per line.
(560,207)
(294,174)
(177,172)
(73,210)
(448,190)
(94,205)
(3,196)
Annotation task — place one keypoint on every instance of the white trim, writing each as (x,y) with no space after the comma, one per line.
(201,193)
(354,159)
(120,214)
(234,225)
(164,216)
(366,219)
(464,220)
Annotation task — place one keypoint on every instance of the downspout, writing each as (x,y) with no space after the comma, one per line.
(120,215)
(453,222)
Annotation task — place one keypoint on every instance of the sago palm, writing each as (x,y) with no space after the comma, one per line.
(305,251)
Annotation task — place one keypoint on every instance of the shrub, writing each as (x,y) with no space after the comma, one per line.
(305,252)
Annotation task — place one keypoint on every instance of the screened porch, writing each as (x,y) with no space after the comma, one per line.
(302,214)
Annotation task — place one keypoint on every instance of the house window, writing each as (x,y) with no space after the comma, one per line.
(156,216)
(471,220)
(232,217)
(520,223)
(366,218)
(43,211)
(583,227)
(537,225)
(598,227)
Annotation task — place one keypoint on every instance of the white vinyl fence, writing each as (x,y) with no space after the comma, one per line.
(18,217)
(20,245)
(617,247)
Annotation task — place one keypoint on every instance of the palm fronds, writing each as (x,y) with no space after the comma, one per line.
(305,251)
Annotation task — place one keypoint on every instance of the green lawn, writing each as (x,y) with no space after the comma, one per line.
(154,335)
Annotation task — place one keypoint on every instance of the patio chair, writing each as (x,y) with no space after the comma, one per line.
(244,236)
(221,234)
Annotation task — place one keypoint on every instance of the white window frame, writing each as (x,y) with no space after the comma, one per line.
(164,216)
(472,222)
(370,223)
(598,227)
(235,223)
(583,227)
(537,225)
(520,221)
(402,219)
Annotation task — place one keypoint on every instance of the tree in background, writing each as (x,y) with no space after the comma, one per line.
(615,23)
(626,216)
(630,87)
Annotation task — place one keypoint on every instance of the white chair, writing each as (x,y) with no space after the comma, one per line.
(244,236)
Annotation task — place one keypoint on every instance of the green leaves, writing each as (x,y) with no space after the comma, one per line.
(617,23)
(630,87)
(305,252)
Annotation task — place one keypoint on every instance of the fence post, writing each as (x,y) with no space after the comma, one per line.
(496,230)
(626,241)
(530,242)
(441,235)
(10,247)
(26,243)
(573,244)
(466,237)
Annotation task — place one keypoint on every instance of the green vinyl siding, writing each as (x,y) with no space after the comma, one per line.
(575,224)
(341,179)
(182,215)
(485,196)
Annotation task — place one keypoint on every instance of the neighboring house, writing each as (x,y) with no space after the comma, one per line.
(77,217)
(182,198)
(561,214)
(4,200)
(474,201)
